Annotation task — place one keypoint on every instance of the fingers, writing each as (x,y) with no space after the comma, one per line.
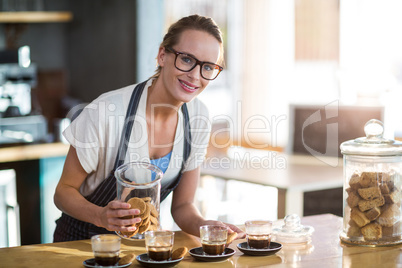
(121,209)
(118,216)
(120,228)
(234,228)
(116,204)
(122,224)
(241,235)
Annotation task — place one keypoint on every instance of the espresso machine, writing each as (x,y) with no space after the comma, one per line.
(18,122)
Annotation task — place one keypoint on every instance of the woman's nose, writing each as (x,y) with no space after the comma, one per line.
(195,73)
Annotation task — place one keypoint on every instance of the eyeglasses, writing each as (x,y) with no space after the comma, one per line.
(186,63)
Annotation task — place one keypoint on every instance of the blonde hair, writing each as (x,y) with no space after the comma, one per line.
(193,22)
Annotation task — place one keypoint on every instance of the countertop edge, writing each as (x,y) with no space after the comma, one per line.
(33,151)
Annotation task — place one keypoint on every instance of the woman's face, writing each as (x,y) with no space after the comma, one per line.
(184,86)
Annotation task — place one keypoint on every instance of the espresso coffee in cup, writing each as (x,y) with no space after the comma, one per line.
(106,259)
(258,234)
(214,249)
(213,239)
(258,242)
(106,249)
(160,253)
(159,244)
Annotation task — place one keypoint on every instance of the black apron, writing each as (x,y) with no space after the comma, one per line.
(69,228)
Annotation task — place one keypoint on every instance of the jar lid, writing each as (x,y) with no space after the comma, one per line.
(292,232)
(374,144)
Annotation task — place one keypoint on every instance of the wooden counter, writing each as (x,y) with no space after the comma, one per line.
(325,250)
(32,151)
(35,17)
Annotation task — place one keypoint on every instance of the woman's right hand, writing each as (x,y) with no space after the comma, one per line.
(117,216)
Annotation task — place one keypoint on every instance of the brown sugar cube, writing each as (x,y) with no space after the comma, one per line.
(372,231)
(387,179)
(369,193)
(349,190)
(352,223)
(368,179)
(373,213)
(353,229)
(359,217)
(391,185)
(365,205)
(384,177)
(353,199)
(394,230)
(392,198)
(354,181)
(384,188)
(390,215)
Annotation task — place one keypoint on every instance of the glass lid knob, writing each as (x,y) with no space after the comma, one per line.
(374,129)
(292,222)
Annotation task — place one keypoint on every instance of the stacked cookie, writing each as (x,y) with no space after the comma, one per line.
(148,214)
(374,202)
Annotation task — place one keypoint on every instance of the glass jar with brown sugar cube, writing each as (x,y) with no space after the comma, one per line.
(372,189)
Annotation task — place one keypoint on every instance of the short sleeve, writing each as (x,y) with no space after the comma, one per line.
(84,135)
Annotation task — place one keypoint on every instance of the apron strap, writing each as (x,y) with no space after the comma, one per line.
(165,191)
(128,125)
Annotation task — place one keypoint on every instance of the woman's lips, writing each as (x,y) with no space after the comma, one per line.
(188,86)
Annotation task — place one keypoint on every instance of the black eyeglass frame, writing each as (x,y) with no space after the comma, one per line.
(197,62)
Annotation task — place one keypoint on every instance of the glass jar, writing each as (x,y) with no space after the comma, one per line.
(139,184)
(292,232)
(372,189)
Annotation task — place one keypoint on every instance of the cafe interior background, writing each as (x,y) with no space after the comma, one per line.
(282,58)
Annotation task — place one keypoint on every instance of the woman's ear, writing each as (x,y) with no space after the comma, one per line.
(161,56)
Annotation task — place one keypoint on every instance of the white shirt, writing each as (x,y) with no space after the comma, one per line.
(96,132)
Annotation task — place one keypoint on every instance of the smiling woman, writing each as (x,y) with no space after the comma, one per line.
(164,119)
